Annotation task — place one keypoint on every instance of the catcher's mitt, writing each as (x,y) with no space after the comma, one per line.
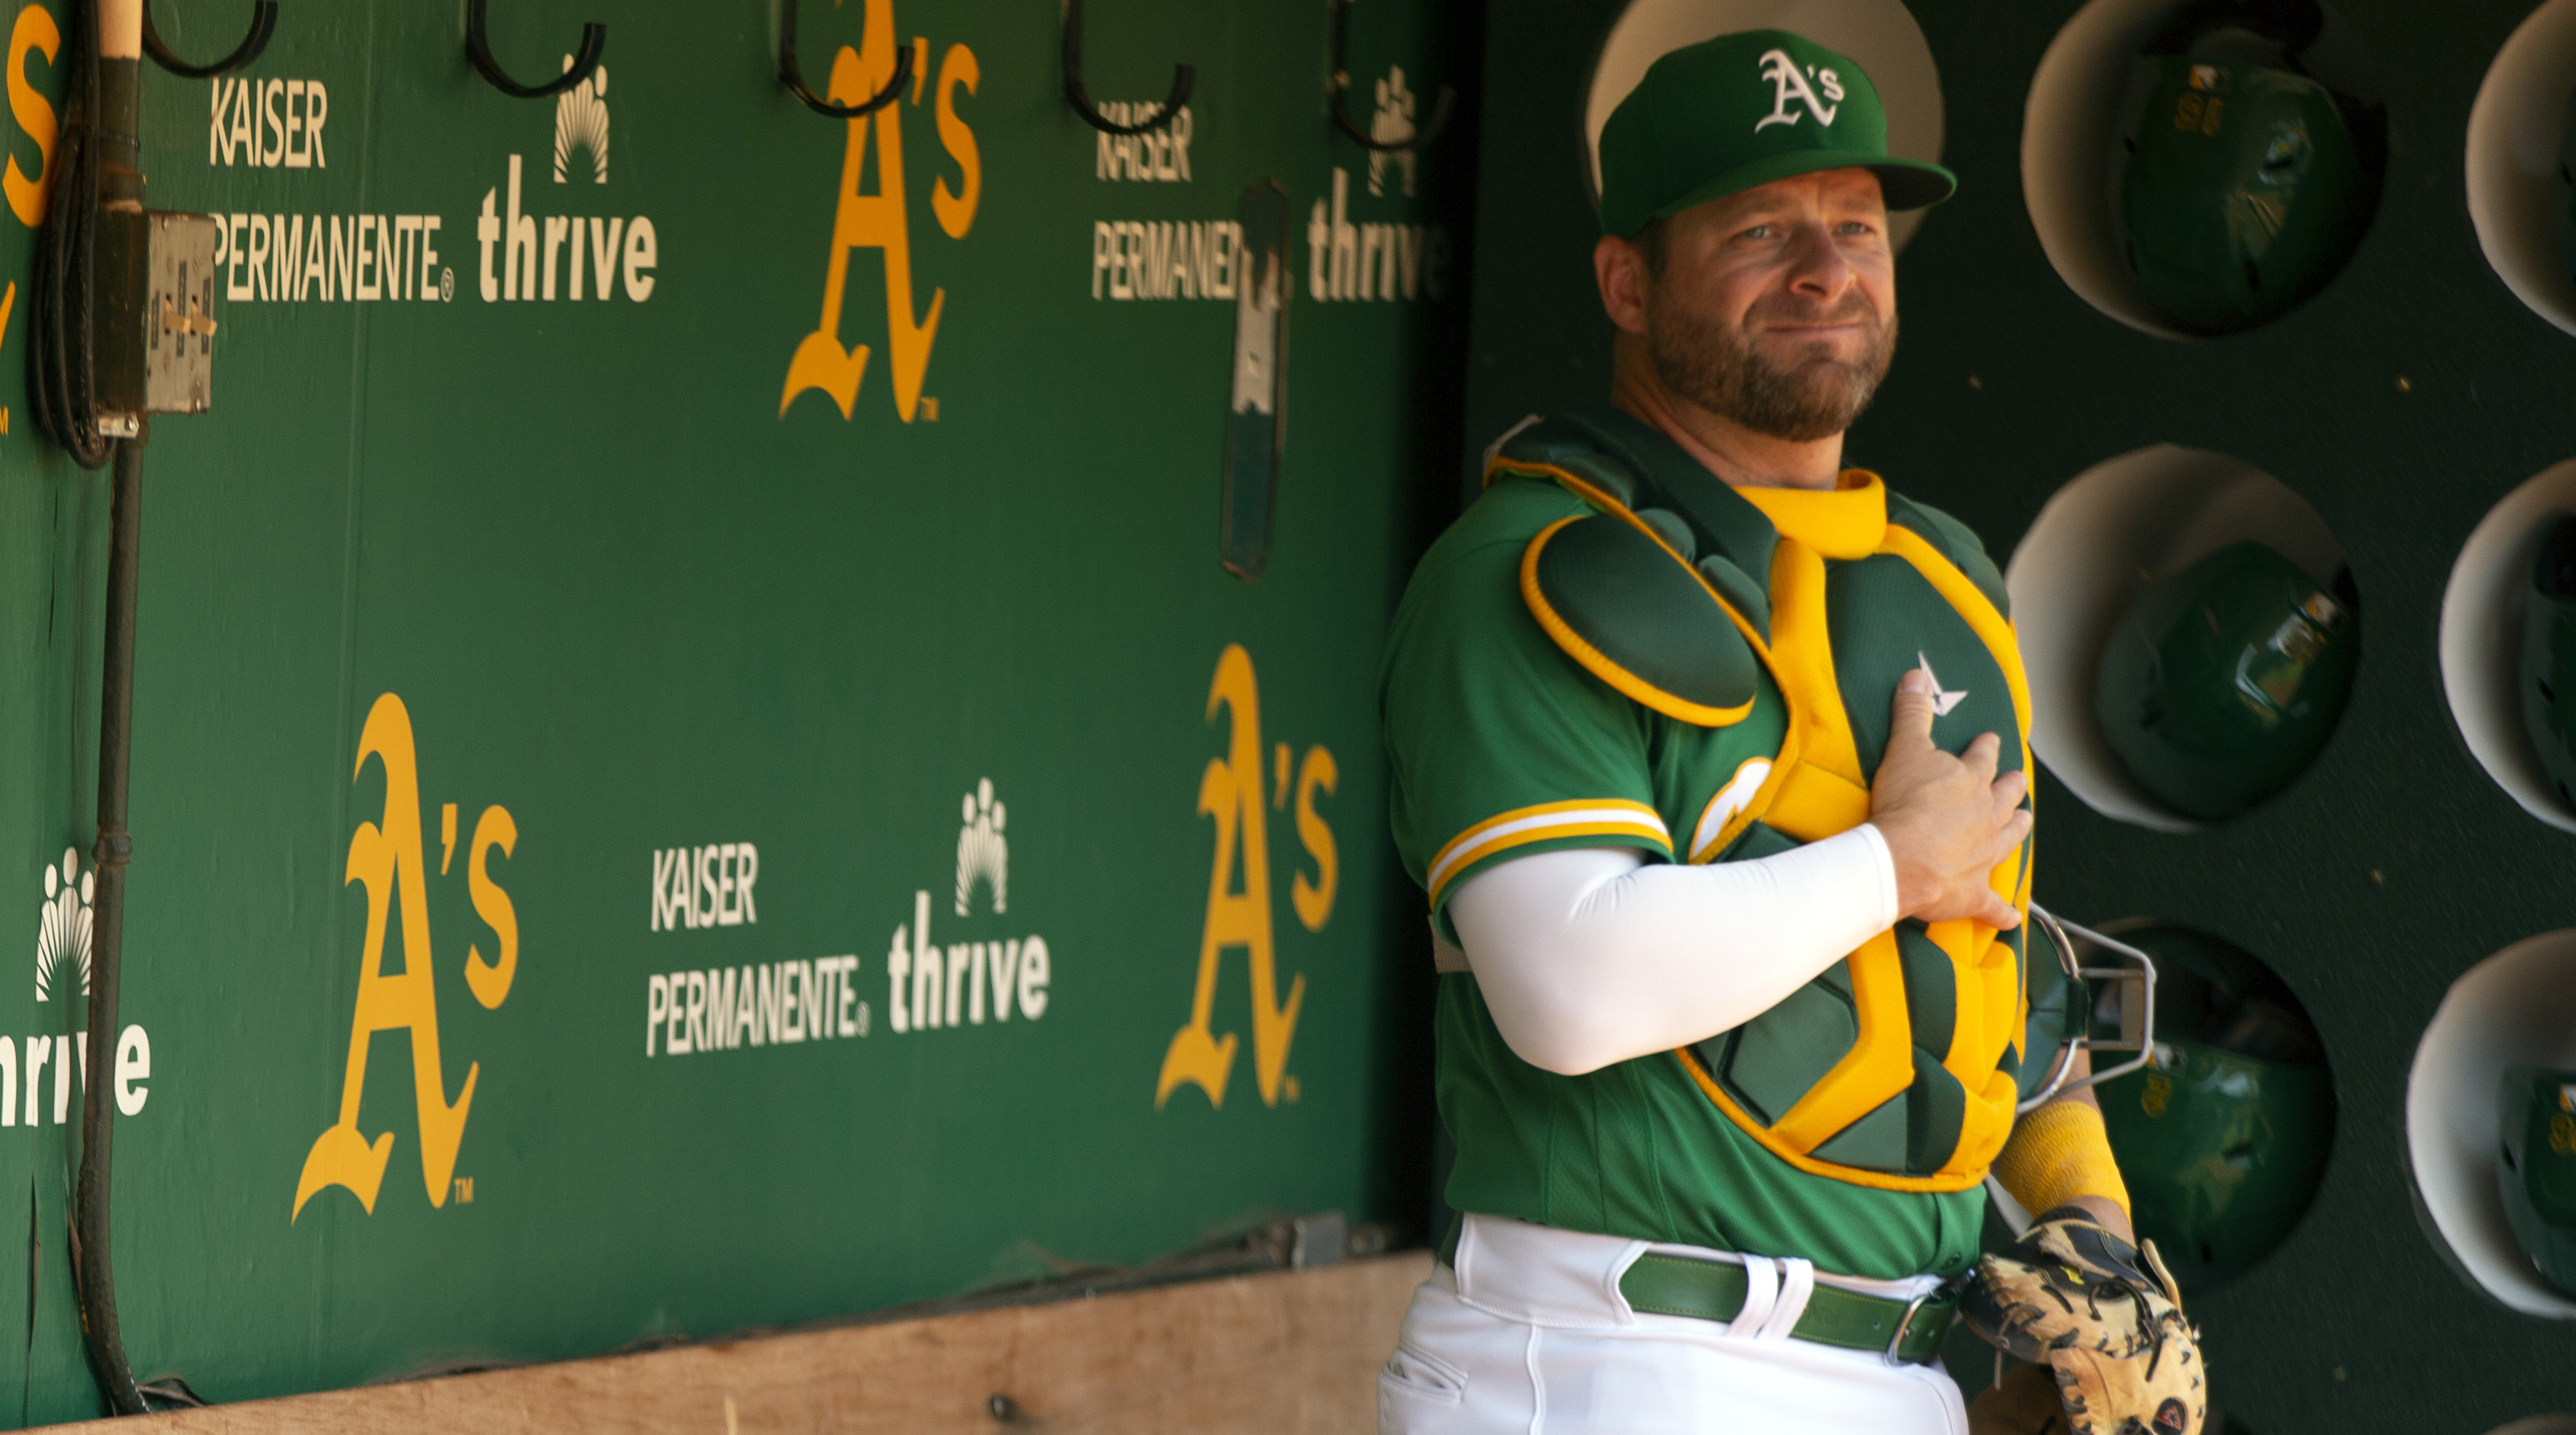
(2104,1317)
(2024,1402)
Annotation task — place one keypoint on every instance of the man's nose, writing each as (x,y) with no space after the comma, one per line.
(1817,266)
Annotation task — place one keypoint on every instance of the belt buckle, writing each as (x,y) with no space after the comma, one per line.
(1905,1323)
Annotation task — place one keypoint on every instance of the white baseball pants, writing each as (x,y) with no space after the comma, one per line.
(1529,1335)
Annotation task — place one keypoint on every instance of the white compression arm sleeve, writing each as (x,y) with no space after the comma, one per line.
(1589,956)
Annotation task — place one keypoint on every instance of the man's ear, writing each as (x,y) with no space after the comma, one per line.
(1620,270)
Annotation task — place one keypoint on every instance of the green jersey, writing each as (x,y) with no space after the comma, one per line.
(1504,745)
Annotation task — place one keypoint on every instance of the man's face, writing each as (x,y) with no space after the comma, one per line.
(1776,307)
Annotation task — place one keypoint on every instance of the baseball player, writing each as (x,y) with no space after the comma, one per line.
(1711,755)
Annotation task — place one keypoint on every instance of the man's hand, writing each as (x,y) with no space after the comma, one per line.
(1948,821)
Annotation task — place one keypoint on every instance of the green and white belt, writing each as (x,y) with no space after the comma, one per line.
(1906,1332)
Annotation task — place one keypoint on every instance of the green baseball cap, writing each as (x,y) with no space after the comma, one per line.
(1724,115)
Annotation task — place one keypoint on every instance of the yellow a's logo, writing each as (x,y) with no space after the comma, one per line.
(879,221)
(1230,791)
(387,857)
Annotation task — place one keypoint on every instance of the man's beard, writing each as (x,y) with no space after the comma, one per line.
(1716,367)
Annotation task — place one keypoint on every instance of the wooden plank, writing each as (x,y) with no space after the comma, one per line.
(1290,1353)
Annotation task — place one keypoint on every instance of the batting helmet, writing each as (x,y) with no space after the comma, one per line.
(2224,680)
(2223,1138)
(2548,676)
(2536,1165)
(2248,183)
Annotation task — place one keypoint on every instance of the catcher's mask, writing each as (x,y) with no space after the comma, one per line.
(2062,1003)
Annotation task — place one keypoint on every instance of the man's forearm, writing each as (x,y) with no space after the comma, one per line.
(1592,956)
(2060,1155)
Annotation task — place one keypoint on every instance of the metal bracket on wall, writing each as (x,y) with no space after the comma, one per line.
(1440,108)
(594,39)
(156,326)
(793,76)
(1183,77)
(1319,1240)
(263,23)
(1256,417)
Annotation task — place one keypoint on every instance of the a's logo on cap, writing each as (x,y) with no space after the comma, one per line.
(1788,82)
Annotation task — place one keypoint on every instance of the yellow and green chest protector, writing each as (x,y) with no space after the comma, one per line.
(1896,1068)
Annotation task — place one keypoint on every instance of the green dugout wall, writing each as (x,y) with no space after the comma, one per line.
(2402,412)
(686,682)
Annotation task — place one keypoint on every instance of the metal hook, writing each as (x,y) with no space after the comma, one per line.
(793,77)
(594,38)
(1440,107)
(1183,77)
(263,23)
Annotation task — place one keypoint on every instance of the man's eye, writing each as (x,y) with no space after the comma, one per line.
(1858,226)
(1761,231)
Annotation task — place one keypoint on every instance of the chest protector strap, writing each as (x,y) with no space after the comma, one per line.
(1815,789)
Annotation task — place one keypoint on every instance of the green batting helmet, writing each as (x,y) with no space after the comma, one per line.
(2247,183)
(2224,680)
(2223,1138)
(2548,676)
(2536,1165)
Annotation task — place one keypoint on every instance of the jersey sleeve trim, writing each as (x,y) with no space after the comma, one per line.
(1592,817)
